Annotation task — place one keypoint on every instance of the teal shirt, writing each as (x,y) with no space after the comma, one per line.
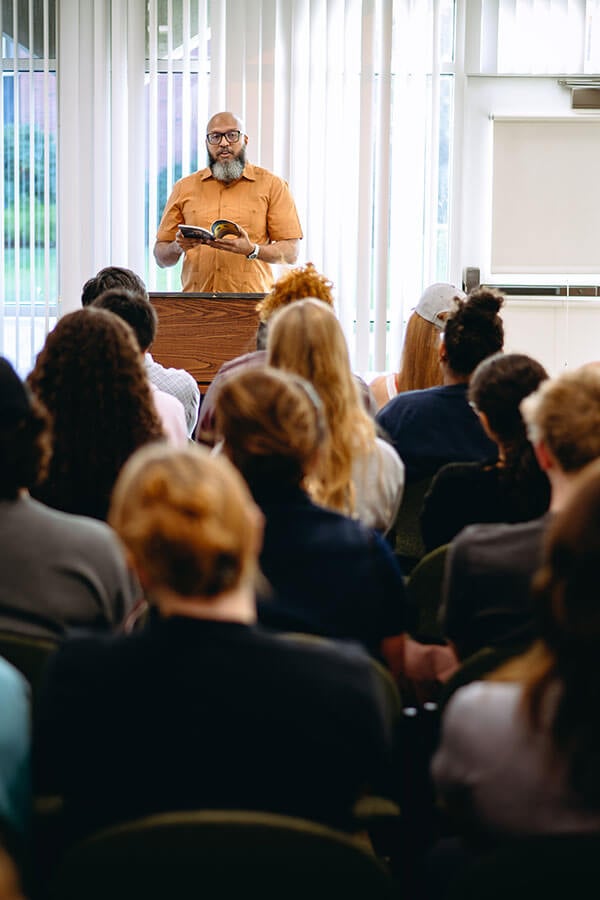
(15,748)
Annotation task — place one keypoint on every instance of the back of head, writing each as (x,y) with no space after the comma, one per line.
(306,338)
(24,435)
(473,330)
(272,425)
(112,277)
(134,309)
(187,519)
(303,281)
(564,413)
(498,385)
(91,378)
(420,361)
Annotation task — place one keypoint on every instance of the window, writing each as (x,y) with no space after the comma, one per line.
(28,279)
(352,103)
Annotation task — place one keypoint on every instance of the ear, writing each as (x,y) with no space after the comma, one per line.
(544,456)
(443,356)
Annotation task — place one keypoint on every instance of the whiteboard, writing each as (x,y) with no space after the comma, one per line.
(546,196)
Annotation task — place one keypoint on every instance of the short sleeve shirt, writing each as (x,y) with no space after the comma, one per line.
(259,201)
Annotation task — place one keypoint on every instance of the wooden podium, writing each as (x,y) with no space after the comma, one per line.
(199,332)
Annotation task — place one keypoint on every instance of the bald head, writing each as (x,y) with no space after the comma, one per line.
(225,121)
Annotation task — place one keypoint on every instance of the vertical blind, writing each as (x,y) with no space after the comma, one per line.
(342,98)
(28,282)
(351,101)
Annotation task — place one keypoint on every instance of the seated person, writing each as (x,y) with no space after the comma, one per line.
(519,751)
(59,572)
(356,473)
(435,426)
(177,382)
(486,596)
(295,284)
(330,575)
(139,313)
(91,379)
(420,362)
(15,780)
(511,489)
(202,708)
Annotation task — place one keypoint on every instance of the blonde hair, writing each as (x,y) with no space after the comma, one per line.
(420,360)
(187,519)
(272,425)
(306,338)
(303,281)
(565,413)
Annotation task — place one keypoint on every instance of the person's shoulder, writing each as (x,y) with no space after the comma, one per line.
(258,173)
(80,530)
(458,473)
(156,370)
(13,685)
(342,661)
(494,533)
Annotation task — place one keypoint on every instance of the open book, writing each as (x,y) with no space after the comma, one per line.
(217,230)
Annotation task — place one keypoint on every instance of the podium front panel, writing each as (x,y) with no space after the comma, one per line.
(199,332)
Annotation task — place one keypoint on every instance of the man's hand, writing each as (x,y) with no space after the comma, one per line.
(242,244)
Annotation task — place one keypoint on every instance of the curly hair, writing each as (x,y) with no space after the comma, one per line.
(272,424)
(306,338)
(303,281)
(187,519)
(473,330)
(91,378)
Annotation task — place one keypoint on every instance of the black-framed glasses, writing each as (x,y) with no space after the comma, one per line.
(215,137)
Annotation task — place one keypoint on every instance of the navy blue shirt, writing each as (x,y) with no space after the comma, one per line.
(330,575)
(432,427)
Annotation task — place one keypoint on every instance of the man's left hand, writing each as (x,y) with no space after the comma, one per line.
(242,244)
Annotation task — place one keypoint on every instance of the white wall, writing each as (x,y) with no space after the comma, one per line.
(560,333)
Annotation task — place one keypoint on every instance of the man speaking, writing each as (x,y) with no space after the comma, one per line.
(230,188)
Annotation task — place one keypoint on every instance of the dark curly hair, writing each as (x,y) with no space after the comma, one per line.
(25,451)
(91,378)
(473,330)
(112,277)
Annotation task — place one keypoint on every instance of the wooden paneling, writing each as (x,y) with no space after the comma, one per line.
(199,332)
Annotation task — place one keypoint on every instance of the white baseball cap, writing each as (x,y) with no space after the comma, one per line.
(436,299)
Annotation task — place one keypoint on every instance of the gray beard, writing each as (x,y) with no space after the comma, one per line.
(230,170)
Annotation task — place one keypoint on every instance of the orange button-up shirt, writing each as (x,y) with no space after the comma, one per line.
(259,201)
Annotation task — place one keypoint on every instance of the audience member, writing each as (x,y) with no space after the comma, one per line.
(357,473)
(177,382)
(15,750)
(435,426)
(90,378)
(202,708)
(139,313)
(420,360)
(511,489)
(519,752)
(489,567)
(295,284)
(330,575)
(59,572)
